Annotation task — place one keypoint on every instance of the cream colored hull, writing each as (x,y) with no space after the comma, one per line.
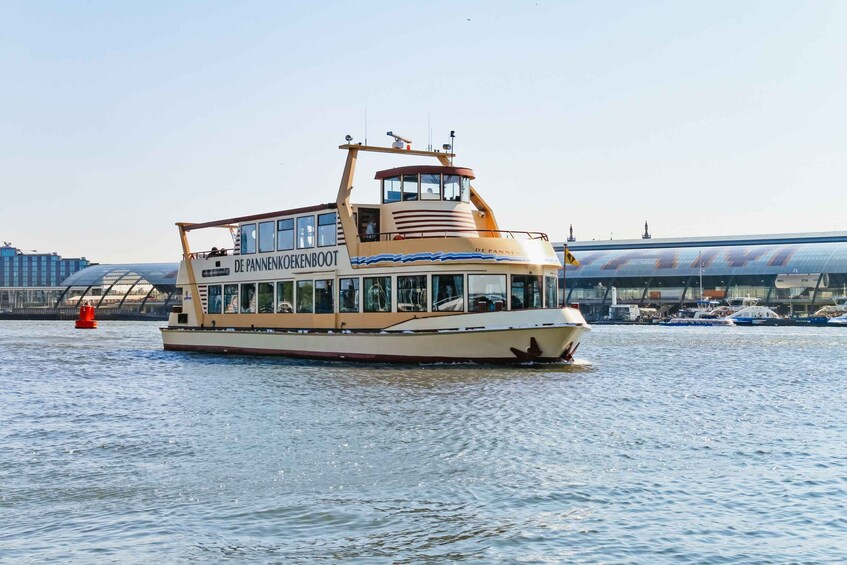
(498,344)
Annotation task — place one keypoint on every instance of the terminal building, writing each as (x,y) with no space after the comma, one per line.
(792,273)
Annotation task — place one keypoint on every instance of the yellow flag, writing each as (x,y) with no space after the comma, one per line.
(570,259)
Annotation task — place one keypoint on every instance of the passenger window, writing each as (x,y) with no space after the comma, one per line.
(377,294)
(526,292)
(214,300)
(411,294)
(285,297)
(266,298)
(452,189)
(448,293)
(248,298)
(327,229)
(248,239)
(305,296)
(266,237)
(486,293)
(348,295)
(305,232)
(466,189)
(230,298)
(391,189)
(551,292)
(323,297)
(285,235)
(410,187)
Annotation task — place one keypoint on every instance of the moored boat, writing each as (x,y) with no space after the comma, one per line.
(425,275)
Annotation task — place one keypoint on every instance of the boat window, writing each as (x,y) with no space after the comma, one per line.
(466,189)
(214,299)
(430,186)
(486,293)
(551,292)
(377,294)
(248,239)
(305,232)
(285,235)
(391,189)
(448,293)
(231,298)
(305,295)
(411,294)
(327,229)
(526,292)
(248,298)
(266,237)
(323,297)
(266,298)
(285,297)
(348,295)
(410,187)
(452,188)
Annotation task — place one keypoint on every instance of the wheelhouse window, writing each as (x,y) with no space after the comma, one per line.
(323,297)
(327,229)
(248,298)
(214,299)
(391,189)
(305,296)
(285,235)
(410,187)
(486,293)
(452,187)
(305,232)
(285,297)
(377,294)
(551,292)
(248,239)
(348,295)
(430,186)
(266,237)
(448,293)
(526,292)
(411,294)
(266,298)
(231,298)
(466,189)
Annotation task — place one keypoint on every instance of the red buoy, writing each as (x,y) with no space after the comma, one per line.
(86,319)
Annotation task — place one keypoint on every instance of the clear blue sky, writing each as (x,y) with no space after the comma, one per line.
(709,118)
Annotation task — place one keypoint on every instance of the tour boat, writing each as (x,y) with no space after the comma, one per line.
(426,275)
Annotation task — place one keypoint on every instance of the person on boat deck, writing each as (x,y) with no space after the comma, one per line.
(370,231)
(215,252)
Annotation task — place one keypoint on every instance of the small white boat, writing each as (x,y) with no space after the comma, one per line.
(838,321)
(758,316)
(701,316)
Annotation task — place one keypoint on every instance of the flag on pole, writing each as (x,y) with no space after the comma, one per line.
(569,258)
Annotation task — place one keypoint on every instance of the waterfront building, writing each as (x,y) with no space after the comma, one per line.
(798,273)
(34,269)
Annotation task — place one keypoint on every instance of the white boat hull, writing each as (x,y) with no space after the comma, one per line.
(541,342)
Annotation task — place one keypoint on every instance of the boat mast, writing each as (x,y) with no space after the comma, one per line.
(700,265)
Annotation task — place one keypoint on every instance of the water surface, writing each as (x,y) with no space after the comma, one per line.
(707,445)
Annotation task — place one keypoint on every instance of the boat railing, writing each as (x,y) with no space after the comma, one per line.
(451,233)
(218,252)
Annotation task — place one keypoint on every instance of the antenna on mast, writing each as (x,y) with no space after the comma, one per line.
(366,125)
(429,130)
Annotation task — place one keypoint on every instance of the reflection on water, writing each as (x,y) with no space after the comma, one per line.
(697,444)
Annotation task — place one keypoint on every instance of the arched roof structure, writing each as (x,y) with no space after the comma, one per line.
(123,279)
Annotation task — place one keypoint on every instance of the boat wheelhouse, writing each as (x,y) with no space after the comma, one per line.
(425,275)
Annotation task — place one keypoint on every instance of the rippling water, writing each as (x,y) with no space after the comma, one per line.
(673,445)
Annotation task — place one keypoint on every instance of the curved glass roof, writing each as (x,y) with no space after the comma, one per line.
(160,275)
(735,260)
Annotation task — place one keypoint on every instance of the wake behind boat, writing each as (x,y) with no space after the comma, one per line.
(426,275)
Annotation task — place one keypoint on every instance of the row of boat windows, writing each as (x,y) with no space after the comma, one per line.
(282,235)
(415,293)
(425,186)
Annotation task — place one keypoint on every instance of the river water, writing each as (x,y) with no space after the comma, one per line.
(706,445)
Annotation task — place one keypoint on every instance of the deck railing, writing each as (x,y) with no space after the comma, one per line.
(451,233)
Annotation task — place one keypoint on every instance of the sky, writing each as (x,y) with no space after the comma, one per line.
(703,118)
